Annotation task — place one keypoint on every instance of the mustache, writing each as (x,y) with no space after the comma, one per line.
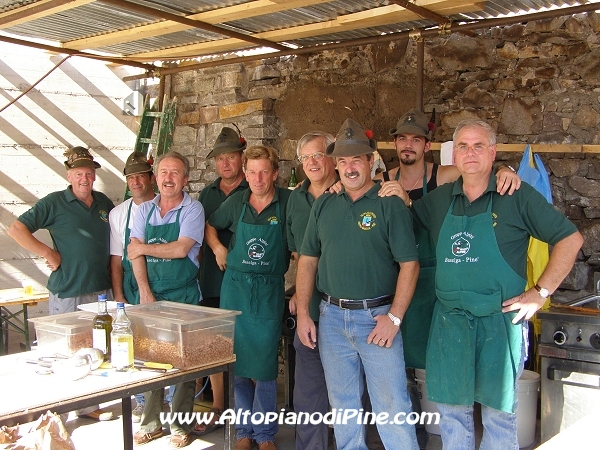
(351,174)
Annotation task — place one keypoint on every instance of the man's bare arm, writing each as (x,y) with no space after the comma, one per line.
(20,233)
(172,250)
(141,276)
(305,284)
(212,240)
(560,264)
(116,278)
(385,331)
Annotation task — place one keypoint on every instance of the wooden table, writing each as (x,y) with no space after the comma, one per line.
(31,395)
(15,297)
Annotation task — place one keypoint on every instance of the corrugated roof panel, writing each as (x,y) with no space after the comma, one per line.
(75,23)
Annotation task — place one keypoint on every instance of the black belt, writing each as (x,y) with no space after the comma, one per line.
(358,304)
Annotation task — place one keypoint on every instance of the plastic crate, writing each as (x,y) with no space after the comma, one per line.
(183,335)
(64,333)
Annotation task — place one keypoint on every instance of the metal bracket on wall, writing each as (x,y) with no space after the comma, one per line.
(415,35)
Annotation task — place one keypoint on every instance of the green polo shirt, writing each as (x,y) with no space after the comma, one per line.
(359,244)
(81,235)
(209,275)
(298,212)
(228,214)
(516,217)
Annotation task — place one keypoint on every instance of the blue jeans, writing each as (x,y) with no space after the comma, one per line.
(499,427)
(256,397)
(346,357)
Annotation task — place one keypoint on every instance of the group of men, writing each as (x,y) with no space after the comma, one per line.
(395,274)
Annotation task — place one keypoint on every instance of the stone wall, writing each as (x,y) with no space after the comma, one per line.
(536,82)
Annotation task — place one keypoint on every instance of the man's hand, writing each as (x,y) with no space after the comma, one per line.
(292,305)
(384,332)
(507,181)
(221,257)
(393,187)
(146,296)
(135,249)
(336,187)
(307,332)
(527,304)
(53,260)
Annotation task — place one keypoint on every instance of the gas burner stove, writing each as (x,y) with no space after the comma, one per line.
(569,347)
(572,333)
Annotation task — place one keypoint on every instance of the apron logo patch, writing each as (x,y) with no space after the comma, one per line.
(104,215)
(460,247)
(273,220)
(367,221)
(256,248)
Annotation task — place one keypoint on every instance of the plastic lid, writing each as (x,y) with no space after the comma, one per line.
(102,297)
(121,305)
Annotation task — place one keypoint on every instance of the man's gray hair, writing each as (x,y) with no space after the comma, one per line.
(311,136)
(472,123)
(175,155)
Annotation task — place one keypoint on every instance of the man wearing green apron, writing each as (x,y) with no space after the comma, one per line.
(310,390)
(165,241)
(139,177)
(227,152)
(254,264)
(355,243)
(475,351)
(417,177)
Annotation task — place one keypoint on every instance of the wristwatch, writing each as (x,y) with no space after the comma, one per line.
(395,320)
(544,293)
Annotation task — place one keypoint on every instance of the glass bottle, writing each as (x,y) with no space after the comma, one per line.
(121,340)
(102,326)
(293,180)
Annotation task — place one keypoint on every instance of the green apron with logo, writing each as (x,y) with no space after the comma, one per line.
(254,284)
(130,286)
(474,350)
(176,279)
(417,319)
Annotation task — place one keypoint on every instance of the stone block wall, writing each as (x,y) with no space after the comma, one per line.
(536,82)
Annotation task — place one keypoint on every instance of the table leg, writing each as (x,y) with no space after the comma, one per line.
(229,382)
(127,428)
(26,328)
(3,334)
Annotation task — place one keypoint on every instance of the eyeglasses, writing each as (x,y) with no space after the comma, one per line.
(316,156)
(477,148)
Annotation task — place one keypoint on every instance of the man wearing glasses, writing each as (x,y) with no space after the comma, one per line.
(476,350)
(310,391)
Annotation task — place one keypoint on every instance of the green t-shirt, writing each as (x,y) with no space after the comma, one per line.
(228,214)
(516,217)
(81,235)
(359,244)
(209,275)
(298,212)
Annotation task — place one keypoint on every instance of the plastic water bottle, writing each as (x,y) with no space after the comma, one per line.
(121,340)
(102,327)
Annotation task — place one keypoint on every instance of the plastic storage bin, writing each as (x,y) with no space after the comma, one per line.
(183,335)
(64,333)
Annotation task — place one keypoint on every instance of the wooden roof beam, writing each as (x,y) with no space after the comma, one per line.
(213,17)
(194,23)
(384,15)
(37,10)
(427,14)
